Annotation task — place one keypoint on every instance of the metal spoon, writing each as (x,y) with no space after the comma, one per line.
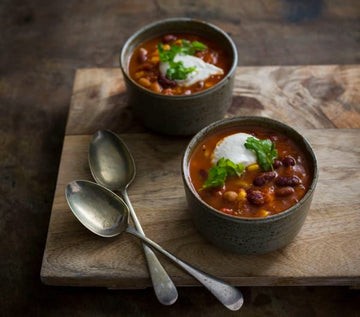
(113,167)
(106,214)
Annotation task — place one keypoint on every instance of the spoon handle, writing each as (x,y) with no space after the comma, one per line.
(228,295)
(164,287)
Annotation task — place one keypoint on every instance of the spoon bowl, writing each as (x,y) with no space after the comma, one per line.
(106,222)
(106,214)
(110,161)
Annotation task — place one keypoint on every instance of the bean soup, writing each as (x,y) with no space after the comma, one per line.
(178,64)
(273,173)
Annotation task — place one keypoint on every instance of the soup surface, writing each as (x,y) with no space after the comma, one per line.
(256,192)
(178,64)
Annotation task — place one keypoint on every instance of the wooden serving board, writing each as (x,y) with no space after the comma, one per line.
(327,249)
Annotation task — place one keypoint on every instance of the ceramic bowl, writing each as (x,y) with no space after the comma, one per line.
(184,114)
(248,235)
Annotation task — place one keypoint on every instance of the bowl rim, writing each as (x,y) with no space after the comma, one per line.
(227,122)
(154,24)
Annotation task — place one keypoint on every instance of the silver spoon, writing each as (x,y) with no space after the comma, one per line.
(106,214)
(113,167)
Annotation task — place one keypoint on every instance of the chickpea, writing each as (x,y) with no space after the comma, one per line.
(139,74)
(155,86)
(167,92)
(144,82)
(230,196)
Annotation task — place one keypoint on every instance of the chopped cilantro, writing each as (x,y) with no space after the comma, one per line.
(168,55)
(265,152)
(199,46)
(177,70)
(190,48)
(219,172)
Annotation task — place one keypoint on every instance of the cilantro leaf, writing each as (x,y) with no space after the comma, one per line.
(199,46)
(177,70)
(168,55)
(187,48)
(219,172)
(264,150)
(232,169)
(216,177)
(190,48)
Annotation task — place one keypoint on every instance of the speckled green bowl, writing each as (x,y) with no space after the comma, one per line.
(185,114)
(248,235)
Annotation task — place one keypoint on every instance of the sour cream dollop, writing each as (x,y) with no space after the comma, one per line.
(202,72)
(232,147)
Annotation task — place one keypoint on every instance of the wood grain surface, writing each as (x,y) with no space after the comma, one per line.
(326,96)
(326,252)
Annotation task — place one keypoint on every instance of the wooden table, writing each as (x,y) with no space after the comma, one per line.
(322,102)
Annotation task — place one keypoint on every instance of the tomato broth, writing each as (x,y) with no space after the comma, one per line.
(144,64)
(255,193)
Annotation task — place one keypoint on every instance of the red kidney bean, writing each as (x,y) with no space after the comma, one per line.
(169,38)
(255,197)
(263,178)
(284,191)
(211,59)
(166,82)
(288,161)
(283,181)
(203,174)
(277,164)
(214,56)
(147,66)
(259,180)
(142,55)
(200,84)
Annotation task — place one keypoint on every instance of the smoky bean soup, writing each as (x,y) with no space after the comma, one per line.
(178,64)
(276,179)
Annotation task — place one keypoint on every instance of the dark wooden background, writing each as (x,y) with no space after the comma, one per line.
(43,43)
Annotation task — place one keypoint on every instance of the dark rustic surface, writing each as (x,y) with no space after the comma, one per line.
(42,44)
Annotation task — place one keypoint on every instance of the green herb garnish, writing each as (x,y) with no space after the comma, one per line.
(167,56)
(190,48)
(219,172)
(264,150)
(177,70)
